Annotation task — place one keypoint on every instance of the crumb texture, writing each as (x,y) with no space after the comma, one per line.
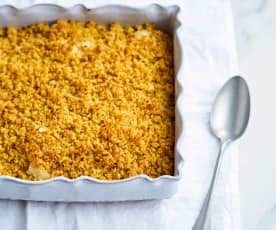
(86,99)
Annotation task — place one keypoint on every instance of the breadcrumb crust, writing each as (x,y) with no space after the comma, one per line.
(86,99)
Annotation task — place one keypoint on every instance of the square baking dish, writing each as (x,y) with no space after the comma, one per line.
(86,188)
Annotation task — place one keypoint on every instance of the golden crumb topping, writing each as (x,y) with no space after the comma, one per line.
(86,99)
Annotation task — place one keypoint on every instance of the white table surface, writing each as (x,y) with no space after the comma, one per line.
(255,22)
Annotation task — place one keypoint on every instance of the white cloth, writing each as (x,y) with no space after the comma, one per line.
(209,59)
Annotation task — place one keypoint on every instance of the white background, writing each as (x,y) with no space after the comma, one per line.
(255,24)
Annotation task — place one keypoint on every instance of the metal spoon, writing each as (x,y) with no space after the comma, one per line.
(228,121)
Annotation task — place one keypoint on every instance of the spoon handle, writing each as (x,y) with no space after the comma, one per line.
(200,223)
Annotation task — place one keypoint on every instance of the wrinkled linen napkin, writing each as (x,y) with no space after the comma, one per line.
(209,60)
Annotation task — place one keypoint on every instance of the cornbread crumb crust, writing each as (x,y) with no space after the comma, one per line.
(86,99)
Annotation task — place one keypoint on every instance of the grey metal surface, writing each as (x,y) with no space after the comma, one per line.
(228,121)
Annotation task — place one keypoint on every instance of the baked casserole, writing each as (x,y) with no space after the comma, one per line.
(83,99)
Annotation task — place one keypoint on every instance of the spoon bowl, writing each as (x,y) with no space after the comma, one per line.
(231,110)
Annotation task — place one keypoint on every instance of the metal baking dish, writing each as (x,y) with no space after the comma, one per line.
(86,188)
